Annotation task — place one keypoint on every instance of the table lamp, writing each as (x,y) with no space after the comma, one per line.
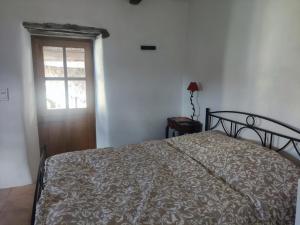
(193,86)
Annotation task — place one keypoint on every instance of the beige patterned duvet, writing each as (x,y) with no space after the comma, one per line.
(205,178)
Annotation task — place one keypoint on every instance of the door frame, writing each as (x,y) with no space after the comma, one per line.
(36,43)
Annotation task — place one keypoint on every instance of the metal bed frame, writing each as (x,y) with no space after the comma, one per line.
(39,182)
(248,121)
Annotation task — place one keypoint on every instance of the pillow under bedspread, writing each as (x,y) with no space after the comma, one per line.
(260,174)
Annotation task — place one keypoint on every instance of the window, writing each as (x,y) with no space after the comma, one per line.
(65,77)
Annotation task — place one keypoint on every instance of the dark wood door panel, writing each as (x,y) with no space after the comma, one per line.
(66,136)
(65,90)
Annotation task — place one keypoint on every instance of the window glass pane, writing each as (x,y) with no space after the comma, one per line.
(77,94)
(55,94)
(53,61)
(75,62)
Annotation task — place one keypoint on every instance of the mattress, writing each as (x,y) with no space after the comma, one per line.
(204,178)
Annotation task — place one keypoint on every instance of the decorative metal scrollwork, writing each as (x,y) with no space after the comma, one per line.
(258,134)
(217,124)
(222,123)
(296,148)
(266,136)
(250,120)
(285,146)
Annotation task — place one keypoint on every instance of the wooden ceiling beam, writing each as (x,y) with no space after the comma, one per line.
(134,2)
(65,30)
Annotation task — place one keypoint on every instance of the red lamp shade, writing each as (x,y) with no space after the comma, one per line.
(193,87)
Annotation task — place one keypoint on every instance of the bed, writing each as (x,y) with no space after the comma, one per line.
(205,178)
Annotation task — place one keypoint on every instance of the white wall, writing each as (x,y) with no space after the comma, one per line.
(14,169)
(247,54)
(141,88)
(29,111)
(208,28)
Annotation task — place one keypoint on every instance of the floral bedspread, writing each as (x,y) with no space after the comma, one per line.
(206,178)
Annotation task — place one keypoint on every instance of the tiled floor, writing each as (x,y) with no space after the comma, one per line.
(16,205)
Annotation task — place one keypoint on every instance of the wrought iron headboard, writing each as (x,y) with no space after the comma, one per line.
(265,136)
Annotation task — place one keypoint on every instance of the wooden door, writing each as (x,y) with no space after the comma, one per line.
(65,93)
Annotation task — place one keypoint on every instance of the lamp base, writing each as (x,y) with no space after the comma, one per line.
(193,106)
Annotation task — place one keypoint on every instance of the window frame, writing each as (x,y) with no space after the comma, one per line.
(37,45)
(65,78)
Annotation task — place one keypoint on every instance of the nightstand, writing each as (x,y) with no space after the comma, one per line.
(183,125)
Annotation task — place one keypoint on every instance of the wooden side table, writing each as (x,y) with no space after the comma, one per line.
(183,125)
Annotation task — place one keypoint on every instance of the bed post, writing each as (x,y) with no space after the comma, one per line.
(39,182)
(207,119)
